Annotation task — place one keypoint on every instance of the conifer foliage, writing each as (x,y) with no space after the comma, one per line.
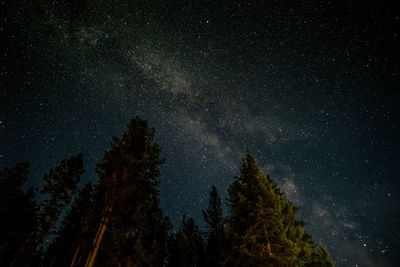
(60,186)
(119,222)
(262,227)
(216,238)
(72,231)
(135,229)
(18,212)
(26,223)
(187,246)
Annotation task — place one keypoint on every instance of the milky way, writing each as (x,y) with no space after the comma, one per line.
(310,89)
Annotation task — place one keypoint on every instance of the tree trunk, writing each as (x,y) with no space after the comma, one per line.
(97,240)
(75,256)
(268,244)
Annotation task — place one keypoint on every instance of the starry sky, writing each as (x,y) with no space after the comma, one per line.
(311,88)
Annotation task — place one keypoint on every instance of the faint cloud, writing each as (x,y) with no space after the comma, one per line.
(289,188)
(164,71)
(285,177)
(268,168)
(199,131)
(319,211)
(170,77)
(349,225)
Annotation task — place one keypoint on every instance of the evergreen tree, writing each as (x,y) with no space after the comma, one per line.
(262,227)
(321,257)
(187,246)
(215,236)
(72,231)
(133,230)
(60,188)
(18,212)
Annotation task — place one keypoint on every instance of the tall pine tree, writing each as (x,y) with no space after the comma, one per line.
(262,227)
(18,212)
(321,257)
(60,187)
(187,246)
(215,235)
(133,230)
(72,231)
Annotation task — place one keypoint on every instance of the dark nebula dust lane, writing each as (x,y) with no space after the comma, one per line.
(310,89)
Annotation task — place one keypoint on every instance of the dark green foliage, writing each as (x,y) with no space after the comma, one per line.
(260,230)
(321,257)
(74,229)
(61,181)
(216,236)
(135,153)
(137,231)
(187,246)
(213,214)
(17,212)
(25,224)
(262,227)
(61,186)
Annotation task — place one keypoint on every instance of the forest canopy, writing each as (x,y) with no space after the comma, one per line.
(117,220)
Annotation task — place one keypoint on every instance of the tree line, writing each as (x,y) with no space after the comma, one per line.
(119,222)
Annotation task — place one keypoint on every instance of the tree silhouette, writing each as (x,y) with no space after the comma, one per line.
(262,227)
(216,235)
(119,221)
(133,230)
(187,246)
(60,187)
(73,230)
(18,212)
(321,257)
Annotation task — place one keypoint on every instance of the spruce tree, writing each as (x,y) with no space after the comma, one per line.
(262,227)
(187,246)
(132,230)
(72,231)
(18,212)
(216,235)
(321,257)
(60,187)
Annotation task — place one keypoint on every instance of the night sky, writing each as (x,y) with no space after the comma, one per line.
(312,89)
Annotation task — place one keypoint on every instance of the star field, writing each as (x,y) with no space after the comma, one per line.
(311,89)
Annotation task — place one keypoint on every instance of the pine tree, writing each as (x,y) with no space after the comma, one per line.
(262,227)
(72,231)
(133,230)
(216,235)
(18,212)
(60,188)
(187,246)
(321,257)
